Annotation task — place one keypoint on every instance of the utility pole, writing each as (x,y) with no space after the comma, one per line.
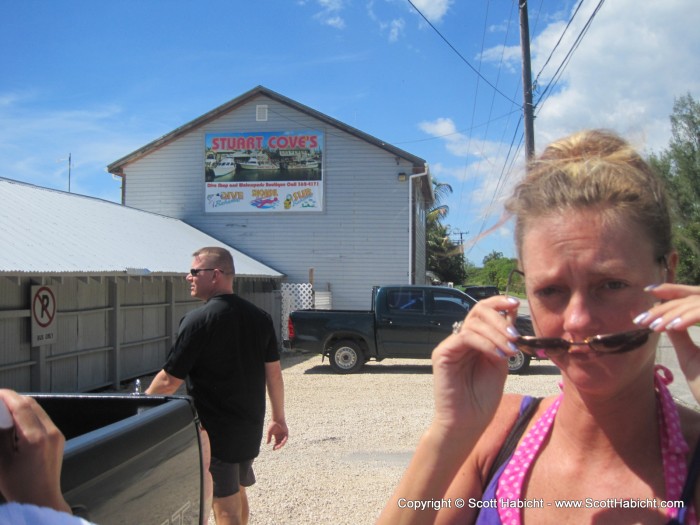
(528,113)
(69,172)
(460,234)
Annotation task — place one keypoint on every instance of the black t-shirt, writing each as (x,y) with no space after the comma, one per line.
(221,351)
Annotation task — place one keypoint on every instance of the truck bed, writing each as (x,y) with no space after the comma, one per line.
(129,458)
(313,328)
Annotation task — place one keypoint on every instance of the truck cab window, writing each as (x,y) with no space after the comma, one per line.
(446,303)
(406,300)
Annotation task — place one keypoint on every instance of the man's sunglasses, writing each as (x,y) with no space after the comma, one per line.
(602,344)
(195,271)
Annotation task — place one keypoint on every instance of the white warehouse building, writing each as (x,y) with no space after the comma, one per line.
(294,189)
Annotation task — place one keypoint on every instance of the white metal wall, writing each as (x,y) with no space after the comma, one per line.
(359,240)
(109,329)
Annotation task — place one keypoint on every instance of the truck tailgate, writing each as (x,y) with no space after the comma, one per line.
(129,459)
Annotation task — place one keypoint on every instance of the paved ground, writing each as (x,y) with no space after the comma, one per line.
(351,438)
(666,356)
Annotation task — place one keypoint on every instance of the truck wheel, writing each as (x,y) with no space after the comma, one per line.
(518,363)
(346,357)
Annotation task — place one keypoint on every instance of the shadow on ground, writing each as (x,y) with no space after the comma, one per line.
(382,368)
(374,368)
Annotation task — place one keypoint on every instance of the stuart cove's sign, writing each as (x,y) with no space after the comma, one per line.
(258,172)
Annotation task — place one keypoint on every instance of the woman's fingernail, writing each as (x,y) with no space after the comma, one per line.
(656,324)
(640,318)
(651,287)
(512,347)
(513,300)
(501,353)
(673,324)
(512,331)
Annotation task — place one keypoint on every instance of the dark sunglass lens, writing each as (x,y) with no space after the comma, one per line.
(618,343)
(536,345)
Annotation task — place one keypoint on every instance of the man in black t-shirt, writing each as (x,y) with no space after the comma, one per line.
(227,353)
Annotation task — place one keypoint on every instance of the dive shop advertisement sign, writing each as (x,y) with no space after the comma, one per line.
(258,172)
(43,304)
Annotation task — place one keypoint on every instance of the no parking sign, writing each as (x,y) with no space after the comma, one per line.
(43,315)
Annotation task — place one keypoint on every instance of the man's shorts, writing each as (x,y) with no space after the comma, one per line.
(228,477)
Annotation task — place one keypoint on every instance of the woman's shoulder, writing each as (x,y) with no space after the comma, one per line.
(503,422)
(18,513)
(512,404)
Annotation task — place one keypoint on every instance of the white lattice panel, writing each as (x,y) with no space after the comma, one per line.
(295,296)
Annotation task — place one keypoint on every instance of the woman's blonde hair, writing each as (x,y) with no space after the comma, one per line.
(593,170)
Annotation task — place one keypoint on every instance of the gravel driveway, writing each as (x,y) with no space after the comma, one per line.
(351,437)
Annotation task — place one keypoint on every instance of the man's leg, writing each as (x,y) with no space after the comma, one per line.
(232,510)
(208,482)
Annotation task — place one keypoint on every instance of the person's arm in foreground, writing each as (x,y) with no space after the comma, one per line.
(164,384)
(469,372)
(275,390)
(31,455)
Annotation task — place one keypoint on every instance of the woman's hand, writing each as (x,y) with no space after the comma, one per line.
(470,367)
(469,371)
(678,311)
(31,455)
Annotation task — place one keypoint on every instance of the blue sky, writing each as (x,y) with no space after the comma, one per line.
(101,79)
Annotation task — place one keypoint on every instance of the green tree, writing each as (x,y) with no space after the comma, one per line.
(497,269)
(679,165)
(494,255)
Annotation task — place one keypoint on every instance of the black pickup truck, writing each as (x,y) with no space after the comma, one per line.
(130,458)
(405,321)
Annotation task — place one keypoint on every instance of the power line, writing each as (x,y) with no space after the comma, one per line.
(478,73)
(565,62)
(506,170)
(561,37)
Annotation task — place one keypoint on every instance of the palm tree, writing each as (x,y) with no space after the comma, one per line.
(439,210)
(444,258)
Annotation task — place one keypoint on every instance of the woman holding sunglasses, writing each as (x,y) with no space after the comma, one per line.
(593,235)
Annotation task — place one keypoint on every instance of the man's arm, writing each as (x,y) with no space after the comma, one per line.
(275,389)
(164,384)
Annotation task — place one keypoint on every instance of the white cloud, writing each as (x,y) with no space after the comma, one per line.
(433,10)
(635,59)
(329,14)
(396,29)
(335,21)
(34,145)
(461,144)
(331,5)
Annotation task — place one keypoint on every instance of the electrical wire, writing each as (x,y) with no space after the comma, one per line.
(478,73)
(561,37)
(560,70)
(507,170)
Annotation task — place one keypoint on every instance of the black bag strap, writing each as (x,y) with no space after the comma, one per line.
(511,441)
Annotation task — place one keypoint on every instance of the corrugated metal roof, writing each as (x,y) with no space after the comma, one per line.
(53,232)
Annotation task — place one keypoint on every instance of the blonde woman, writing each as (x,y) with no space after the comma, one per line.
(593,235)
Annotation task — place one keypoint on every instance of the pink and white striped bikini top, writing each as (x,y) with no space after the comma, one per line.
(674,451)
